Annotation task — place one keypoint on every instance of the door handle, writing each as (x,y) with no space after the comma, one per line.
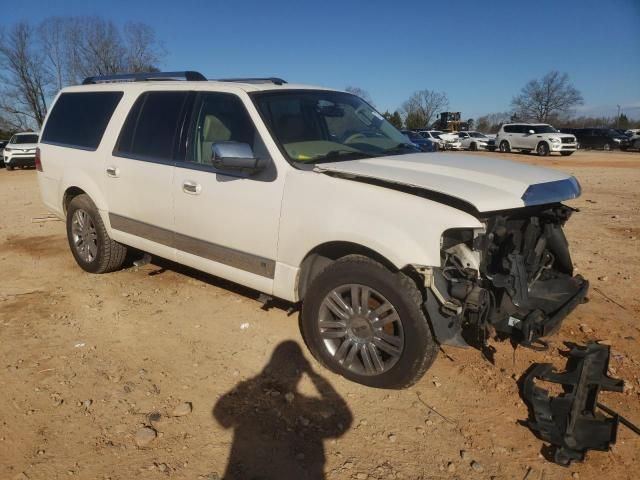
(113,172)
(192,188)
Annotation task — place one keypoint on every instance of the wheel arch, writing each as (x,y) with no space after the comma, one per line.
(318,258)
(69,194)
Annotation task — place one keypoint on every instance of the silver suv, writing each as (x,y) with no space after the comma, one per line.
(539,137)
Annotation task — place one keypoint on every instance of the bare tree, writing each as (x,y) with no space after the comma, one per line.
(143,50)
(95,48)
(423,106)
(491,122)
(52,38)
(546,98)
(360,92)
(25,78)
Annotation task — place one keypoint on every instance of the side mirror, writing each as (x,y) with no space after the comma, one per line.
(234,156)
(531,132)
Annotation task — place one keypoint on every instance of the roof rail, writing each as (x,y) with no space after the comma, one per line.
(274,80)
(145,76)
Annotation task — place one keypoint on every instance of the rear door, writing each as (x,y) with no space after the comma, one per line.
(226,223)
(139,172)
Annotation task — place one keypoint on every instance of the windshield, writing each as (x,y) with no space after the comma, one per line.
(18,139)
(314,126)
(543,129)
(477,135)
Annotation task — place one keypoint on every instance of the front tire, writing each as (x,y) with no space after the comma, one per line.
(504,147)
(542,149)
(89,241)
(9,167)
(474,147)
(366,323)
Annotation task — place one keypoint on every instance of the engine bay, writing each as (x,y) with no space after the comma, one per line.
(514,280)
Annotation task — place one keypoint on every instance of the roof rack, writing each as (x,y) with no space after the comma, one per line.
(145,76)
(274,80)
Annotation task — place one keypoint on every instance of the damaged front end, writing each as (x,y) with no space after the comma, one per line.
(515,278)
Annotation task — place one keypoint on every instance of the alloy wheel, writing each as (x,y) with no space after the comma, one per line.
(361,329)
(84,235)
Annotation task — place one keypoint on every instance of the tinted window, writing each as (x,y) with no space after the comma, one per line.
(18,139)
(151,128)
(221,117)
(510,128)
(80,119)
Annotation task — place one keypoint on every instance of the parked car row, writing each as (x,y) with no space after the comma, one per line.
(540,138)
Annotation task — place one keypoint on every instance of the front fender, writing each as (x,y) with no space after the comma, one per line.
(403,228)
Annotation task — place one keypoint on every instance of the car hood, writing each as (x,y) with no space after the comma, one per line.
(488,184)
(22,146)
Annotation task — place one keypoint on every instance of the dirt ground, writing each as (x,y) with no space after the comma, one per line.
(88,360)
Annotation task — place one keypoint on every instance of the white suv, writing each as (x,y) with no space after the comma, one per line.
(534,137)
(21,150)
(310,195)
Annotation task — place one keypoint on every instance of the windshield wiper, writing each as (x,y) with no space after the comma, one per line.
(402,147)
(341,155)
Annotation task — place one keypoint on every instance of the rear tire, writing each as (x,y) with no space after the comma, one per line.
(348,343)
(10,167)
(606,147)
(504,147)
(89,241)
(474,147)
(542,149)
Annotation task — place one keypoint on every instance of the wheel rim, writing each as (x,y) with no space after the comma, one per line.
(84,235)
(607,146)
(542,149)
(361,329)
(503,147)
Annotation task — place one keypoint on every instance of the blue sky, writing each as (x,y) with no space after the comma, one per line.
(479,53)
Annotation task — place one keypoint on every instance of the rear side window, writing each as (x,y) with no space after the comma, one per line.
(509,128)
(152,126)
(80,119)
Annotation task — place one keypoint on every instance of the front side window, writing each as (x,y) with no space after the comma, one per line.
(313,126)
(152,127)
(221,117)
(80,119)
(543,129)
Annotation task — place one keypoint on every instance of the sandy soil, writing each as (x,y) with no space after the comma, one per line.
(87,360)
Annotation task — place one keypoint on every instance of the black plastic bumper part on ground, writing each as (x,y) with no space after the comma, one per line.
(570,421)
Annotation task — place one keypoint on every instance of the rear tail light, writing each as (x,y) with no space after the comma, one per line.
(38,162)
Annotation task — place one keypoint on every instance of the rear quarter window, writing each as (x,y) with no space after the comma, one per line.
(80,119)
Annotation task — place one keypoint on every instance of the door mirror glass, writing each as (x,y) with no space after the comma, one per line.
(531,132)
(234,156)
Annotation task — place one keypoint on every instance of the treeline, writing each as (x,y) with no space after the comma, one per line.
(38,60)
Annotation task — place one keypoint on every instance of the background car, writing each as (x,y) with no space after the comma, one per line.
(634,141)
(604,138)
(2,145)
(473,140)
(21,150)
(422,143)
(434,136)
(541,138)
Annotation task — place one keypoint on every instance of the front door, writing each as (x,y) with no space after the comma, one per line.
(226,223)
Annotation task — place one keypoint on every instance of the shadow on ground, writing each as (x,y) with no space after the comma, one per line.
(278,432)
